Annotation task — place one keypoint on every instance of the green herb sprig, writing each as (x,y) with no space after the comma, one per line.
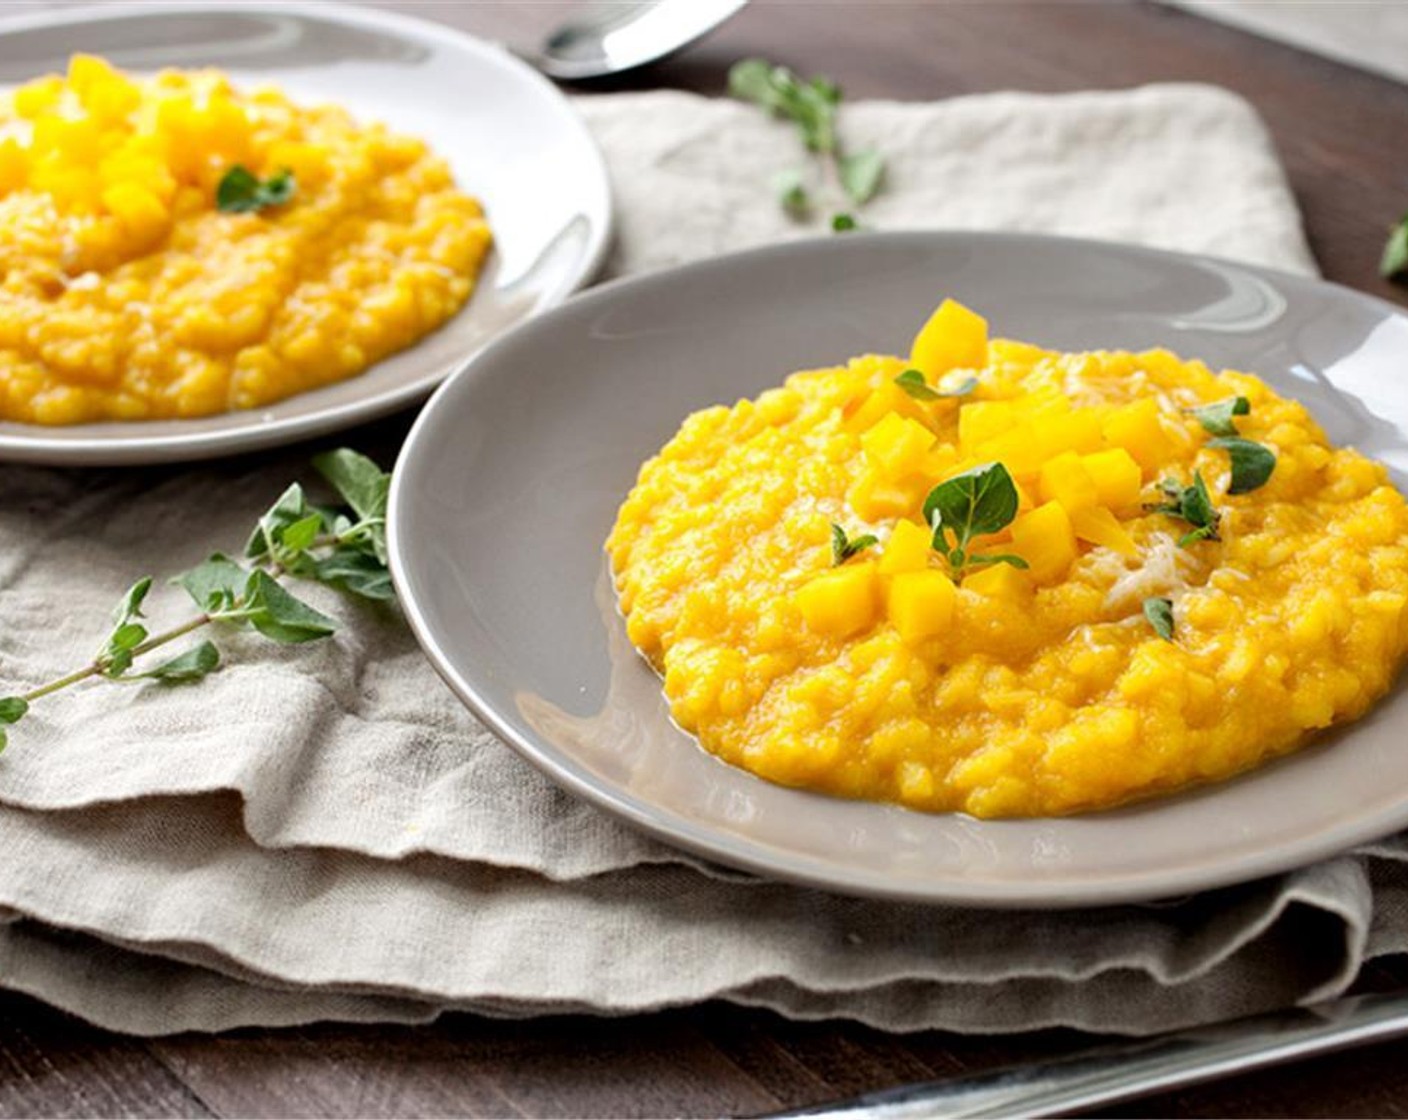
(1159,612)
(844,547)
(1192,504)
(977,502)
(1393,265)
(342,546)
(811,105)
(240,191)
(912,382)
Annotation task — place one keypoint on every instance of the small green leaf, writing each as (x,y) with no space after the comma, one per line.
(267,537)
(127,636)
(842,548)
(12,708)
(978,501)
(1196,504)
(192,665)
(215,584)
(240,191)
(1252,463)
(356,571)
(298,536)
(279,615)
(1216,418)
(362,484)
(1394,263)
(843,223)
(751,80)
(860,174)
(792,192)
(1159,612)
(130,605)
(998,558)
(913,383)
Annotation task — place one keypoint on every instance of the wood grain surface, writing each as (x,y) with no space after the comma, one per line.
(1344,138)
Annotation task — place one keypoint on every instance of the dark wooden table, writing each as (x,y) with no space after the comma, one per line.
(1344,138)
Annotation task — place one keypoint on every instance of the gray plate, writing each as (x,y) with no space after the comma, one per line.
(511,138)
(511,478)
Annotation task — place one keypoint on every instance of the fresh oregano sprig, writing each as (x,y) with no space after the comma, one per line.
(1159,612)
(811,105)
(1192,504)
(343,546)
(844,547)
(240,191)
(912,382)
(977,502)
(1393,265)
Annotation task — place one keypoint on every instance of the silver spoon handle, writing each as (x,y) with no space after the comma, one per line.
(1123,1071)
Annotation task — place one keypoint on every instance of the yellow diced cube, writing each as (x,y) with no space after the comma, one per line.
(14,166)
(981,421)
(953,338)
(1116,475)
(842,601)
(35,98)
(921,604)
(1017,450)
(896,445)
(1099,526)
(1135,428)
(1064,479)
(999,581)
(874,496)
(136,207)
(1045,539)
(1074,430)
(907,550)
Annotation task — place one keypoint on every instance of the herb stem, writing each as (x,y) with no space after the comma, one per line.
(154,642)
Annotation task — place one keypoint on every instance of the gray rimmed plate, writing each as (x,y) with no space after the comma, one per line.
(511,478)
(512,140)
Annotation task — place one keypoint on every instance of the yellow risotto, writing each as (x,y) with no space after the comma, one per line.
(1188,579)
(173,246)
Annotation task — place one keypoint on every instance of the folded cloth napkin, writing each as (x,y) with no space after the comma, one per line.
(324,833)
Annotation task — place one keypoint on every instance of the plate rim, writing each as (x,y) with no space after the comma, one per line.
(660,822)
(98,450)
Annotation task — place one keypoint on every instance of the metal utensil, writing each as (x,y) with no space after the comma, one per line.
(610,36)
(1111,1074)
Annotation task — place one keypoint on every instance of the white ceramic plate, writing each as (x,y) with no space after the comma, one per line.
(511,138)
(511,478)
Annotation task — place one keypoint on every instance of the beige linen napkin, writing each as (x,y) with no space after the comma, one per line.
(324,832)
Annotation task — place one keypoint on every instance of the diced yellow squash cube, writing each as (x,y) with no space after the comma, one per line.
(137,208)
(980,421)
(1064,479)
(1116,475)
(1099,526)
(872,407)
(1017,450)
(1076,430)
(35,98)
(842,601)
(953,338)
(938,461)
(896,445)
(999,581)
(1045,539)
(14,166)
(921,604)
(1136,428)
(907,550)
(875,496)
